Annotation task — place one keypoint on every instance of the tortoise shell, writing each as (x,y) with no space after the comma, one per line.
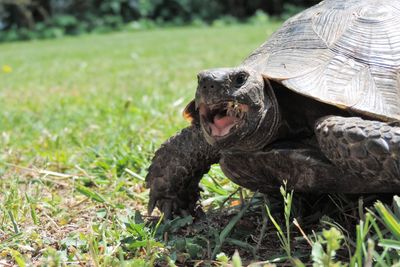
(341,52)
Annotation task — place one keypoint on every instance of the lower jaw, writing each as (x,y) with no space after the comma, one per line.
(221,141)
(214,131)
(218,132)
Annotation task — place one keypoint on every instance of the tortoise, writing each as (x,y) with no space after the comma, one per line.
(317,105)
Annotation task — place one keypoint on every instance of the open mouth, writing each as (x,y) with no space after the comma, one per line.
(219,120)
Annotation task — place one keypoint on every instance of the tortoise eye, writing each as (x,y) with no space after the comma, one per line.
(240,79)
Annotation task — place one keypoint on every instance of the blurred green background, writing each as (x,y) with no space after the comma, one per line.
(41,19)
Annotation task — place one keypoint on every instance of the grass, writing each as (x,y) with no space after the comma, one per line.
(80,120)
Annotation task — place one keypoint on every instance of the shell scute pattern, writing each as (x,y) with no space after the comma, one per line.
(344,53)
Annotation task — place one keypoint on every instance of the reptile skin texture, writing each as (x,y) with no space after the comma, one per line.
(370,148)
(176,170)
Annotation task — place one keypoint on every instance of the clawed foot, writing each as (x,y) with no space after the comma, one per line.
(169,207)
(181,203)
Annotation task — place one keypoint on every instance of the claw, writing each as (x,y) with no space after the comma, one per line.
(151,205)
(167,209)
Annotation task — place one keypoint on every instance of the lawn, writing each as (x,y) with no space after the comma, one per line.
(88,113)
(80,120)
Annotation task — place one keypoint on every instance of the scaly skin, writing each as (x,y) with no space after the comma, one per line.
(176,170)
(304,168)
(369,148)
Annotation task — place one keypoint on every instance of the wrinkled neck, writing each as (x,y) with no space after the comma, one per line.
(268,127)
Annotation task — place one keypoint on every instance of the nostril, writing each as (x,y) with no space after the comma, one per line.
(212,86)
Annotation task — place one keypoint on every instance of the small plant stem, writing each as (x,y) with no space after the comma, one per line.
(263,230)
(296,223)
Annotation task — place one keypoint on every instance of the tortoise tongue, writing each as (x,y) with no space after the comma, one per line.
(221,125)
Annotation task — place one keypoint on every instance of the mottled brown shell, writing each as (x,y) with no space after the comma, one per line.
(342,52)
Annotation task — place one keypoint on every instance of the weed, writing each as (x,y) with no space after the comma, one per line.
(284,238)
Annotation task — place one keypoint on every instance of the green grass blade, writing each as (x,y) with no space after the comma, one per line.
(391,222)
(396,206)
(90,194)
(14,223)
(226,231)
(273,221)
(19,259)
(379,258)
(389,243)
(32,207)
(241,244)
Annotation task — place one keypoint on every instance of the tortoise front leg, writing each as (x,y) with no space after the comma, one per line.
(369,148)
(176,170)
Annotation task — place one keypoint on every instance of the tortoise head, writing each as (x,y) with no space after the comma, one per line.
(235,108)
